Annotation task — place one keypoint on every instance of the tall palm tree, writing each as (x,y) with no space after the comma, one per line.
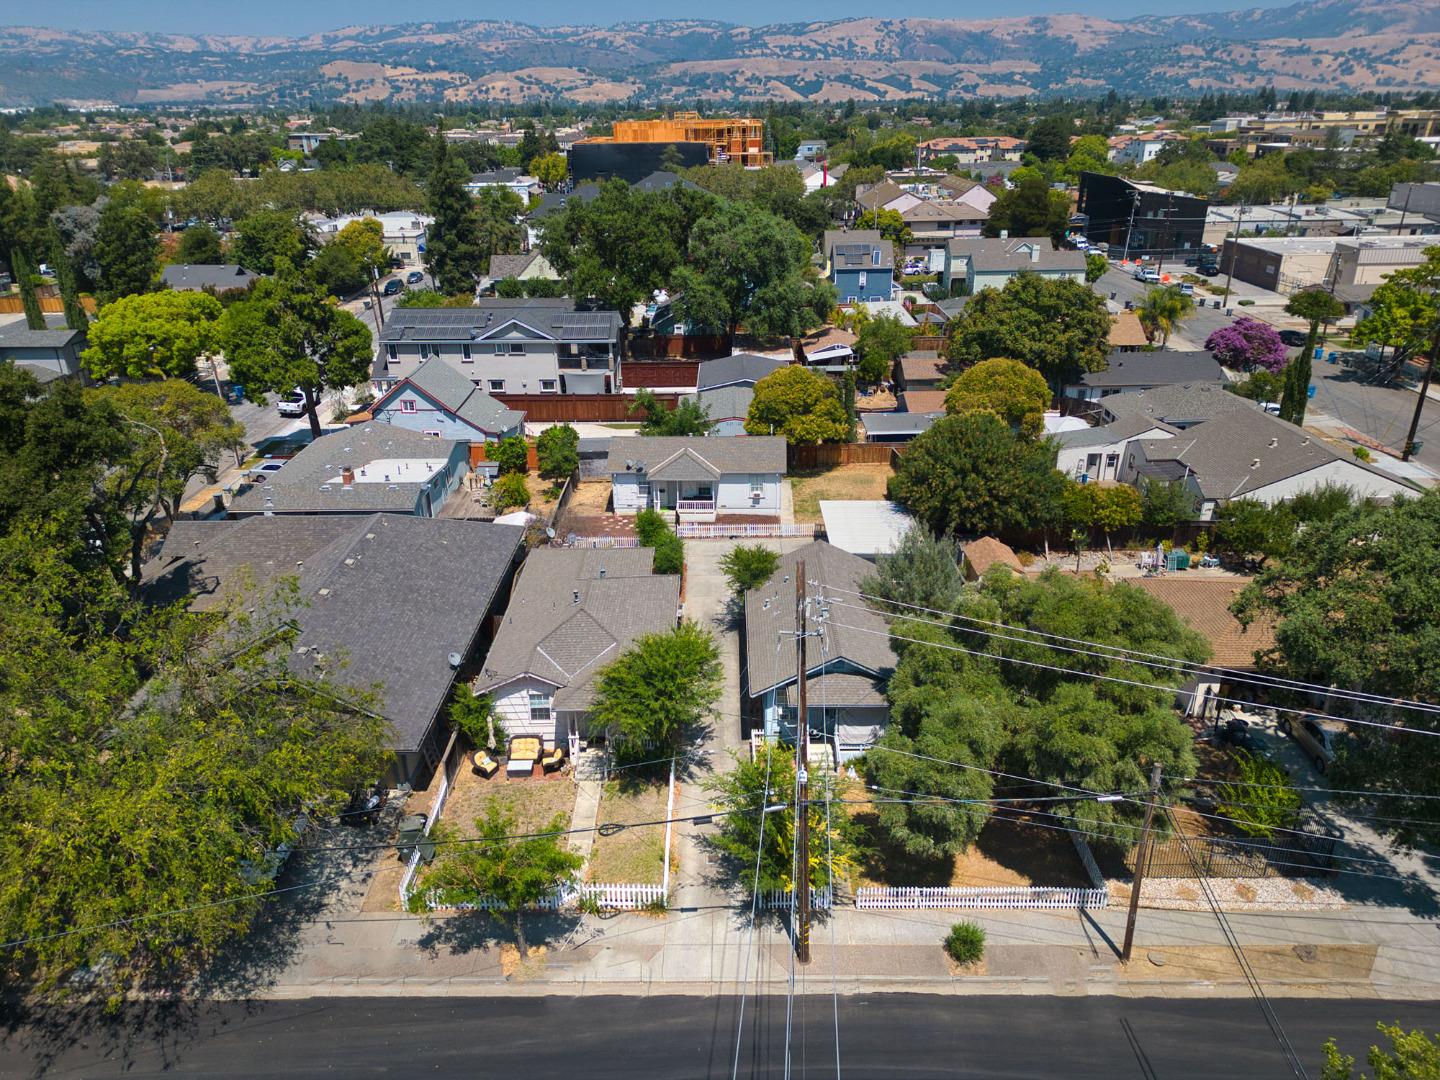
(1162,310)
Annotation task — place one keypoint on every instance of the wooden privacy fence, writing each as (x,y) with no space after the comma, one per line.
(50,305)
(635,374)
(926,343)
(677,345)
(828,455)
(479,451)
(727,532)
(577,408)
(1019,896)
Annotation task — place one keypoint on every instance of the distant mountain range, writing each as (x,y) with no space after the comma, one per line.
(1324,44)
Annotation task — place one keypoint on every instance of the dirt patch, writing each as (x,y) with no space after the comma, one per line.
(588,514)
(513,966)
(864,481)
(544,496)
(959,971)
(534,801)
(634,856)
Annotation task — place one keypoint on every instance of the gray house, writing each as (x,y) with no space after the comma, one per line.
(847,668)
(726,386)
(524,346)
(187,277)
(399,601)
(571,612)
(49,354)
(438,400)
(1132,372)
(698,478)
(372,467)
(974,263)
(726,406)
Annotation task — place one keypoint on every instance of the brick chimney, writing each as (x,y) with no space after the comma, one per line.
(347,476)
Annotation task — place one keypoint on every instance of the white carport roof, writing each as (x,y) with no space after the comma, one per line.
(865,527)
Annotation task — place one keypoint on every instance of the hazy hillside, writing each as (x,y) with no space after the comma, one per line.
(1358,44)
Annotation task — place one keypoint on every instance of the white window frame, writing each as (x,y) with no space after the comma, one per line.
(862,279)
(465,353)
(552,388)
(392,352)
(539,711)
(757,485)
(407,405)
(495,386)
(438,434)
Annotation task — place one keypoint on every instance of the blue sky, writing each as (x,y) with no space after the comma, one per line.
(289,17)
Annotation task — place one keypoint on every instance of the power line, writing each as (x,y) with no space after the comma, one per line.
(1234,675)
(1327,791)
(754,910)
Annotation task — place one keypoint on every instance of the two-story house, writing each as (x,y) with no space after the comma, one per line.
(859,264)
(975,263)
(438,400)
(522,346)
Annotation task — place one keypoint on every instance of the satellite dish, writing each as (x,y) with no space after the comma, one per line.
(455,659)
(550,534)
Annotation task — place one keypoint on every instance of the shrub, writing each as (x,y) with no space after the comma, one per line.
(511,490)
(1361,454)
(748,566)
(965,943)
(511,455)
(650,525)
(1263,798)
(669,554)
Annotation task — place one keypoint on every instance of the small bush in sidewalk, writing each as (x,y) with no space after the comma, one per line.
(965,943)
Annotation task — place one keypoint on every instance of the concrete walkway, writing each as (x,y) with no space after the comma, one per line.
(589,773)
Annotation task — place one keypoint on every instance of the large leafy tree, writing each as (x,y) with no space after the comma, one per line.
(1356,600)
(200,245)
(152,335)
(880,342)
(454,254)
(800,404)
(127,251)
(890,224)
(1412,1055)
(499,230)
(1162,310)
(923,570)
(687,417)
(972,475)
(1248,344)
(659,689)
(1013,391)
(267,237)
(288,333)
(1030,208)
(748,566)
(1060,328)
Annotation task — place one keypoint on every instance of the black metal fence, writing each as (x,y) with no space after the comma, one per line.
(1290,856)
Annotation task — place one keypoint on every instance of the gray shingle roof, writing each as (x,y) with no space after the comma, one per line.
(391,596)
(16,335)
(557,200)
(839,688)
(194,277)
(550,634)
(553,319)
(1016,254)
(298,487)
(740,368)
(508,266)
(659,454)
(854,249)
(725,403)
(662,180)
(1162,368)
(1125,428)
(445,386)
(898,423)
(1181,403)
(770,612)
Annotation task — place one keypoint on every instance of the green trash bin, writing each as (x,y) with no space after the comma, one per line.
(1177,560)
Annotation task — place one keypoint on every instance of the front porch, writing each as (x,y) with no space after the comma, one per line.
(691,503)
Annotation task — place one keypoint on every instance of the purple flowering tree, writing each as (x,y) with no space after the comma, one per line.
(1247,344)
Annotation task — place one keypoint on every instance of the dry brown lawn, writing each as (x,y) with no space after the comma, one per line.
(635,856)
(534,802)
(864,481)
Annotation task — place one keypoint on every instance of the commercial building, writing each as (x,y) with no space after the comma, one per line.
(636,148)
(1287,264)
(1138,219)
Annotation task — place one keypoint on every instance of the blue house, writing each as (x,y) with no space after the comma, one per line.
(859,264)
(436,399)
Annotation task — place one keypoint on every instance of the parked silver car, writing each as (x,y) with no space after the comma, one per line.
(1316,739)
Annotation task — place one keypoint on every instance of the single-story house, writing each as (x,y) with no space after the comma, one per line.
(404,602)
(920,371)
(49,354)
(896,427)
(829,348)
(571,612)
(698,478)
(975,263)
(865,527)
(1094,453)
(1131,372)
(1127,334)
(530,266)
(979,555)
(369,468)
(847,663)
(1180,405)
(219,278)
(1251,455)
(437,400)
(741,369)
(940,219)
(860,264)
(727,407)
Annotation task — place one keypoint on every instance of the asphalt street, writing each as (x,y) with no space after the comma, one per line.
(1121,286)
(690,1038)
(1382,412)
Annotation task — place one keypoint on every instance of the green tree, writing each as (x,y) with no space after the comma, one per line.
(267,237)
(923,570)
(511,874)
(336,269)
(1162,310)
(75,314)
(799,404)
(288,333)
(34,316)
(1059,328)
(1413,1055)
(1314,306)
(687,417)
(669,554)
(1049,138)
(512,455)
(550,169)
(847,402)
(748,566)
(153,335)
(1095,267)
(498,228)
(1250,530)
(126,251)
(1014,392)
(1167,503)
(473,715)
(199,246)
(558,452)
(880,342)
(1030,208)
(453,253)
(510,491)
(766,863)
(972,474)
(889,223)
(1116,507)
(658,690)
(1261,800)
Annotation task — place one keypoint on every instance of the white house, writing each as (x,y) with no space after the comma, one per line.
(403,232)
(698,478)
(571,612)
(1091,454)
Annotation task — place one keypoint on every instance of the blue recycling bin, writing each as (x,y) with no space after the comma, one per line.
(1319,352)
(1310,391)
(1334,357)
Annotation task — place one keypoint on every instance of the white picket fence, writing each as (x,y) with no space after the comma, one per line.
(740,532)
(612,897)
(1034,896)
(598,542)
(772,899)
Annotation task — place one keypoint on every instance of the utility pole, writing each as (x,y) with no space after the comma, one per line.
(1234,251)
(1142,856)
(1130,228)
(376,302)
(802,781)
(1424,389)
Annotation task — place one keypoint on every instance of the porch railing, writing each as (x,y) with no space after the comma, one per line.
(694,504)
